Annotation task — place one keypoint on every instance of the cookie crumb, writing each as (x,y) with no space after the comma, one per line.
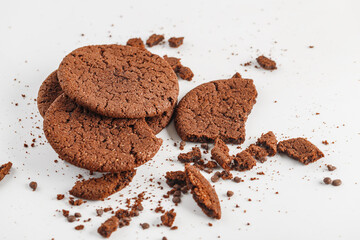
(168,218)
(182,145)
(79,227)
(175,42)
(144,225)
(193,156)
(229,193)
(71,218)
(108,227)
(336,182)
(154,39)
(331,168)
(60,196)
(327,180)
(266,63)
(5,169)
(185,73)
(136,42)
(33,185)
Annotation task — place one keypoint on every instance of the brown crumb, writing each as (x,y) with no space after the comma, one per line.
(154,39)
(71,218)
(331,168)
(33,185)
(185,73)
(144,225)
(266,63)
(77,202)
(168,218)
(229,193)
(193,156)
(136,42)
(325,142)
(311,46)
(174,62)
(60,196)
(336,182)
(182,145)
(108,227)
(5,169)
(327,180)
(176,42)
(236,75)
(79,227)
(65,213)
(99,212)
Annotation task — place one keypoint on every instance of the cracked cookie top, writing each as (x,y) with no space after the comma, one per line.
(119,81)
(216,109)
(95,142)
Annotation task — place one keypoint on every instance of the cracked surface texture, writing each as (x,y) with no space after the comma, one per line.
(98,143)
(216,109)
(119,81)
(203,193)
(102,187)
(49,90)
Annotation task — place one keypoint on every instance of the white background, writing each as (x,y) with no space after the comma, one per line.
(219,37)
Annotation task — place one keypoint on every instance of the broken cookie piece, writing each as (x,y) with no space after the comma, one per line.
(136,42)
(174,62)
(154,39)
(258,152)
(168,218)
(203,193)
(5,169)
(243,161)
(300,149)
(108,227)
(236,75)
(175,42)
(220,153)
(269,142)
(266,63)
(193,156)
(175,177)
(100,188)
(185,73)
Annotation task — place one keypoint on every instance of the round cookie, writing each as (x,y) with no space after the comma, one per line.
(216,109)
(119,81)
(49,90)
(98,143)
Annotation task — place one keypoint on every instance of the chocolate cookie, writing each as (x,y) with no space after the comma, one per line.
(300,149)
(119,81)
(220,153)
(98,143)
(217,109)
(102,187)
(5,169)
(49,90)
(203,193)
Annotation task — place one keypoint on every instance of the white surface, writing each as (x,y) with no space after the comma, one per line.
(35,35)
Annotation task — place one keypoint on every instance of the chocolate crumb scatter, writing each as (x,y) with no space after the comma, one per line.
(175,42)
(154,39)
(266,63)
(325,142)
(33,185)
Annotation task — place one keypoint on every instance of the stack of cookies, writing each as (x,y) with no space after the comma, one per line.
(104,105)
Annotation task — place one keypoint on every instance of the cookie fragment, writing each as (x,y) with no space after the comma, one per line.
(236,75)
(300,149)
(174,62)
(203,193)
(102,187)
(5,169)
(193,156)
(269,142)
(243,161)
(185,73)
(108,227)
(175,42)
(266,63)
(98,143)
(136,42)
(154,39)
(258,152)
(217,109)
(175,177)
(49,90)
(168,218)
(220,153)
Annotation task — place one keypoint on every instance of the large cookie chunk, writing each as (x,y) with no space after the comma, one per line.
(217,109)
(119,81)
(102,187)
(98,143)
